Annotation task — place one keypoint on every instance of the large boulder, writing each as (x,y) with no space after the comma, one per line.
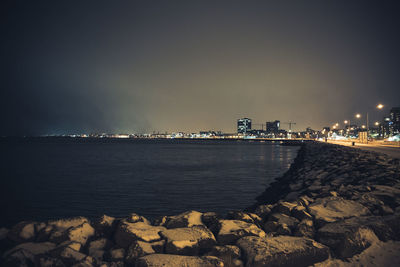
(186,219)
(231,230)
(168,260)
(378,254)
(351,236)
(22,232)
(229,254)
(282,251)
(25,253)
(331,209)
(127,232)
(139,249)
(104,225)
(188,241)
(69,256)
(64,224)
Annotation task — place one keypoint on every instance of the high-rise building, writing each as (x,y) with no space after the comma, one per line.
(273,127)
(395,119)
(243,125)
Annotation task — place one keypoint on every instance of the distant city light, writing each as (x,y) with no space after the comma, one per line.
(376,123)
(337,124)
(346,121)
(363,126)
(358,115)
(380,106)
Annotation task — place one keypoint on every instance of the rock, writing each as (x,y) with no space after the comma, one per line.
(300,213)
(291,222)
(231,230)
(263,211)
(138,249)
(68,255)
(246,217)
(230,255)
(46,261)
(282,251)
(64,224)
(22,232)
(80,233)
(356,242)
(117,254)
(71,244)
(305,228)
(188,241)
(97,248)
(44,233)
(105,226)
(270,226)
(167,260)
(378,254)
(24,254)
(353,235)
(133,218)
(284,208)
(186,219)
(305,200)
(331,209)
(210,219)
(127,232)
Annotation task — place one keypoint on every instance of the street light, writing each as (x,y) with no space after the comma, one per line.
(379,106)
(377,123)
(358,115)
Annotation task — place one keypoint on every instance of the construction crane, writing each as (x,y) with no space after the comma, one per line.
(290,125)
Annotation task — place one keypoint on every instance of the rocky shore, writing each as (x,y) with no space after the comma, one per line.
(336,206)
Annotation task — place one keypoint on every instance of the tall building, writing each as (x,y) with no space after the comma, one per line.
(273,127)
(395,119)
(243,125)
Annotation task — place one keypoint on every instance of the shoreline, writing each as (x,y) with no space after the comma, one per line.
(334,206)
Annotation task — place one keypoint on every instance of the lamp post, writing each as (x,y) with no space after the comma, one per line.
(348,130)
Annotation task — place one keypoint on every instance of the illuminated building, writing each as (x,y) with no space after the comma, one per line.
(243,125)
(273,126)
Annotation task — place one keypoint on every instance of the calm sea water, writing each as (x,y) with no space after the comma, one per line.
(47,178)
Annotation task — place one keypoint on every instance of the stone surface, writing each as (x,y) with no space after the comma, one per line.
(168,260)
(186,219)
(104,226)
(282,251)
(22,232)
(138,249)
(188,241)
(127,232)
(332,209)
(378,254)
(231,230)
(291,222)
(229,254)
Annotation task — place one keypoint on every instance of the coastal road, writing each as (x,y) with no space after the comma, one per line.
(391,151)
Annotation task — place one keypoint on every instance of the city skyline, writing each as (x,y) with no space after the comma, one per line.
(184,66)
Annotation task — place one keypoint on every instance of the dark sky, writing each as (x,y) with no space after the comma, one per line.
(125,66)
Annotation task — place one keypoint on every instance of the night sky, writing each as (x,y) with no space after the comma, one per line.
(125,66)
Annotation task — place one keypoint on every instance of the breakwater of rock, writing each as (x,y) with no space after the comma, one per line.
(336,206)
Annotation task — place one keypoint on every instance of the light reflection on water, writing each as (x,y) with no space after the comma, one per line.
(58,178)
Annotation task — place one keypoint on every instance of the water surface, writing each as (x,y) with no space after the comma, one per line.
(47,178)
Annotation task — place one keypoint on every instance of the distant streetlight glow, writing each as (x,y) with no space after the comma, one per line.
(358,115)
(363,126)
(346,121)
(379,106)
(376,123)
(337,124)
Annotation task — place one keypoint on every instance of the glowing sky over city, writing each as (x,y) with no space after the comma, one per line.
(127,66)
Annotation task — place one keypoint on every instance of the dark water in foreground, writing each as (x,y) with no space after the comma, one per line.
(52,178)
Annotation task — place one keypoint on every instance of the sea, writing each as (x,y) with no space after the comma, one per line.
(50,178)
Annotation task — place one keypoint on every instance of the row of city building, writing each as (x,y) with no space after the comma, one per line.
(388,127)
